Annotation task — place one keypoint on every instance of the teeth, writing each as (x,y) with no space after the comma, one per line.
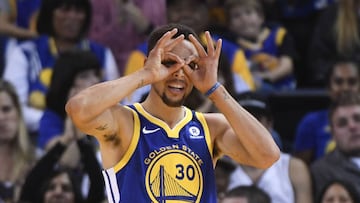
(177,86)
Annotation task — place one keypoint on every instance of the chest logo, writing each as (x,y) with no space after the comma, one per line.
(149,131)
(174,176)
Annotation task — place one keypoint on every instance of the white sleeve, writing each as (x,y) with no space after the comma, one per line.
(111,69)
(16,72)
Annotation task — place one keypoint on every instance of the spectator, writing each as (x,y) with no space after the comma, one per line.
(336,36)
(61,186)
(44,179)
(224,167)
(246,194)
(73,71)
(133,20)
(269,49)
(313,137)
(299,17)
(258,106)
(63,25)
(342,163)
(17,153)
(338,191)
(66,146)
(287,180)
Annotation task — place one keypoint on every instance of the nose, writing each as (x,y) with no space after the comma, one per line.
(179,73)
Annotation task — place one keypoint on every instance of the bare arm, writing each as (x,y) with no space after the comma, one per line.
(301,181)
(236,132)
(239,135)
(12,30)
(95,110)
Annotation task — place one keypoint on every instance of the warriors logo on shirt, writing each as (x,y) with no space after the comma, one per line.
(174,176)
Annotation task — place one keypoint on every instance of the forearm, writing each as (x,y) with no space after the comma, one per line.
(285,68)
(17,32)
(253,136)
(110,93)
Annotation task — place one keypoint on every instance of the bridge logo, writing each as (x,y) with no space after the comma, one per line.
(174,176)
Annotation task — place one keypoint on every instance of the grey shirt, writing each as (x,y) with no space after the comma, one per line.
(334,166)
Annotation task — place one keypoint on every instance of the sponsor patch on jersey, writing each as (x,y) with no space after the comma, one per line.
(195,133)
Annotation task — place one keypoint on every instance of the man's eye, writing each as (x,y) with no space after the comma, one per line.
(168,63)
(193,65)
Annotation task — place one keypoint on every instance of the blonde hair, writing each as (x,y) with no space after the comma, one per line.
(23,148)
(346,27)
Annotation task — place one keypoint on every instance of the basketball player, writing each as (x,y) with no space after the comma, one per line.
(159,150)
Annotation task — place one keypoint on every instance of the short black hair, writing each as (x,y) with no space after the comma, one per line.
(160,31)
(44,24)
(67,66)
(251,192)
(256,104)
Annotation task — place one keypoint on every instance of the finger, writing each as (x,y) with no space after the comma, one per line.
(218,47)
(210,43)
(179,62)
(198,46)
(188,71)
(165,38)
(174,42)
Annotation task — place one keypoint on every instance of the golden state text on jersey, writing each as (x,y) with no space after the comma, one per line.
(164,165)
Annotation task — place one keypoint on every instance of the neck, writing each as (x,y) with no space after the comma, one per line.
(63,44)
(170,115)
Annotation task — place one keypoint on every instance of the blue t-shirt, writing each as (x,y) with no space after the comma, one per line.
(313,133)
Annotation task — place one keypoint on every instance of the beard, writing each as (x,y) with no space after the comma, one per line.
(168,101)
(172,103)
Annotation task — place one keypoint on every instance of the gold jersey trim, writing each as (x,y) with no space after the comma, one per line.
(171,132)
(133,143)
(203,122)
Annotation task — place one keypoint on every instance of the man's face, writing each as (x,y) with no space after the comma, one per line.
(345,123)
(345,78)
(245,22)
(174,90)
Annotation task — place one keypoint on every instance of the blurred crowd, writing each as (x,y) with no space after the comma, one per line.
(52,49)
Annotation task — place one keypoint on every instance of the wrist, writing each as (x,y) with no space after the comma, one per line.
(212,89)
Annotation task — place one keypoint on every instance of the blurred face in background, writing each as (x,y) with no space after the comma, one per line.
(344,78)
(84,80)
(336,193)
(68,22)
(235,200)
(188,12)
(60,190)
(345,126)
(245,22)
(9,118)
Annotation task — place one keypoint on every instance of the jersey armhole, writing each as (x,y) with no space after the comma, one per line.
(133,143)
(203,122)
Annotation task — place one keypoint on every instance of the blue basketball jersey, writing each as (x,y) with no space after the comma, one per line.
(164,165)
